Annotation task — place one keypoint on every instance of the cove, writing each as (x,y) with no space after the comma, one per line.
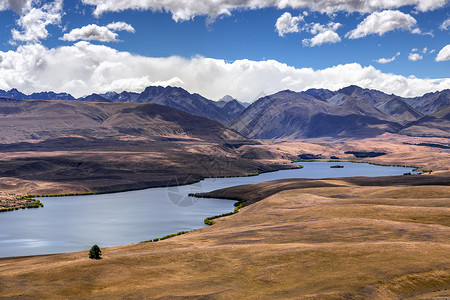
(75,223)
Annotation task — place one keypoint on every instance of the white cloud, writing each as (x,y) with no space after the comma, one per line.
(425,50)
(327,36)
(91,32)
(387,60)
(120,26)
(84,68)
(323,34)
(182,10)
(34,21)
(444,54)
(414,50)
(445,25)
(18,6)
(316,28)
(415,56)
(382,22)
(94,32)
(287,24)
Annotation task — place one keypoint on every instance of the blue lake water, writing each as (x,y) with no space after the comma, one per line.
(75,223)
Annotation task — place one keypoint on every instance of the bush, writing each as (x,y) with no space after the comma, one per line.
(95,252)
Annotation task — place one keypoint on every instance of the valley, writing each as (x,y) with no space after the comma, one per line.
(334,238)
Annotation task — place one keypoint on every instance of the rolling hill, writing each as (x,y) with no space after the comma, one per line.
(40,120)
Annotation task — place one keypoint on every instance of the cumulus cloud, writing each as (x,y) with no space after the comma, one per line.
(286,23)
(182,10)
(415,56)
(444,54)
(94,32)
(84,68)
(323,34)
(120,26)
(89,33)
(34,20)
(327,36)
(316,28)
(445,25)
(387,60)
(382,22)
(18,6)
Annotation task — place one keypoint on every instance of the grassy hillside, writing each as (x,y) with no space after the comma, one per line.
(347,239)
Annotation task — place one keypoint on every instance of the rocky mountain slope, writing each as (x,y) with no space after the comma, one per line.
(169,96)
(351,112)
(40,120)
(294,115)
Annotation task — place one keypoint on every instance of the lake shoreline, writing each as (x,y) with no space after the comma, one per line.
(297,172)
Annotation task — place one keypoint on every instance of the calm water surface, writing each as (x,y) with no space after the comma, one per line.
(69,224)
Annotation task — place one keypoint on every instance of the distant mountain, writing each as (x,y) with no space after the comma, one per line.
(33,120)
(122,97)
(94,98)
(50,96)
(321,94)
(183,100)
(349,112)
(294,115)
(436,124)
(399,110)
(360,106)
(15,94)
(430,102)
(229,98)
(371,97)
(232,108)
(177,98)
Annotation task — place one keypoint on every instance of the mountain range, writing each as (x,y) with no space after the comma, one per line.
(43,120)
(223,111)
(351,112)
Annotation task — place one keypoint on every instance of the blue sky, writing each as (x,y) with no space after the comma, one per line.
(220,47)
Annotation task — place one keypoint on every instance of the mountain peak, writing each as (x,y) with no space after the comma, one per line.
(227,98)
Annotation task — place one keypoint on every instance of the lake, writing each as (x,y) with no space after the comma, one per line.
(75,223)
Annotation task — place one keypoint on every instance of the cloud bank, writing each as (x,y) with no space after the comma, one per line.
(85,68)
(182,10)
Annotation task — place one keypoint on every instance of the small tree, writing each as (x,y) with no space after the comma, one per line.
(95,252)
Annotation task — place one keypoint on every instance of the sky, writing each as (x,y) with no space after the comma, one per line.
(242,48)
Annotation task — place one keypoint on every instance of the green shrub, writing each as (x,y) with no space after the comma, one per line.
(95,252)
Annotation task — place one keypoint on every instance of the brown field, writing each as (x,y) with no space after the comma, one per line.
(358,238)
(353,238)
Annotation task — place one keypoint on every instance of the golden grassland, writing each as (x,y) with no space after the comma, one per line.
(325,239)
(344,238)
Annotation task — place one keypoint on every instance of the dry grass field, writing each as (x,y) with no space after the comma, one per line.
(348,238)
(308,239)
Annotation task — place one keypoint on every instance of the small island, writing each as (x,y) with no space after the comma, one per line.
(336,166)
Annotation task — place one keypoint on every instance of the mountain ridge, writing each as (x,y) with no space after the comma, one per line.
(348,112)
